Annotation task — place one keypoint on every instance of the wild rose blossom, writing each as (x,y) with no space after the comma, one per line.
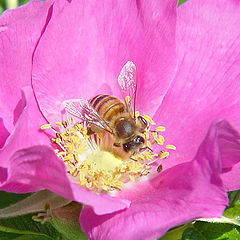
(187,61)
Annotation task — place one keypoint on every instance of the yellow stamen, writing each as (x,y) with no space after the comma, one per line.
(132,179)
(98,169)
(164,155)
(146,135)
(154,134)
(64,123)
(59,124)
(149,119)
(70,120)
(170,146)
(160,140)
(46,126)
(160,129)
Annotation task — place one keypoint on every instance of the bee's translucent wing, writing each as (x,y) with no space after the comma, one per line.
(81,109)
(127,81)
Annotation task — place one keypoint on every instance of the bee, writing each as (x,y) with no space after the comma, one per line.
(108,113)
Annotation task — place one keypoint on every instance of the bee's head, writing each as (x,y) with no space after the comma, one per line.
(134,144)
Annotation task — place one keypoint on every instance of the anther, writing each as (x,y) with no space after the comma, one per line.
(45,126)
(58,135)
(64,123)
(159,168)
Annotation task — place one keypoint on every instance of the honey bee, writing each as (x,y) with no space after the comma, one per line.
(108,113)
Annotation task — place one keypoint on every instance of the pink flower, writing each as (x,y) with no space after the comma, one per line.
(188,67)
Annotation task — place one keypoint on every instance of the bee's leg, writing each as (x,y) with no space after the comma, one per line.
(131,157)
(145,148)
(117,145)
(144,124)
(93,128)
(89,131)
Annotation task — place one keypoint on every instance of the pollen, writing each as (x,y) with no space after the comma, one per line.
(170,146)
(149,119)
(45,126)
(137,113)
(160,129)
(93,162)
(164,154)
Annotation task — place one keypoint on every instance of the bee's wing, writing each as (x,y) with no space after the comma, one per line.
(127,81)
(81,109)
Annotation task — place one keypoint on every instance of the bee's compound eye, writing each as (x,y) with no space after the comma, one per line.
(126,147)
(138,140)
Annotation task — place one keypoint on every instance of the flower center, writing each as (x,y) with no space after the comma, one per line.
(94,162)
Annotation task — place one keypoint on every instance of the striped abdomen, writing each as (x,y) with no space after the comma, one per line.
(107,106)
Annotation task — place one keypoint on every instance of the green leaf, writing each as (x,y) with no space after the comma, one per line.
(192,234)
(31,237)
(34,203)
(211,231)
(7,199)
(220,220)
(218,231)
(8,236)
(234,198)
(175,233)
(233,214)
(21,2)
(181,2)
(26,226)
(3,4)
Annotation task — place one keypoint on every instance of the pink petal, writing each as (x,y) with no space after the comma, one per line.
(38,167)
(84,56)
(231,179)
(206,86)
(20,30)
(178,195)
(27,129)
(223,142)
(228,150)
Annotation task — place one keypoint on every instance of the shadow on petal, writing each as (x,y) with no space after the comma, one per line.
(3,174)
(3,133)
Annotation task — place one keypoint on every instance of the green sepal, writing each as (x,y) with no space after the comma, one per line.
(70,230)
(65,221)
